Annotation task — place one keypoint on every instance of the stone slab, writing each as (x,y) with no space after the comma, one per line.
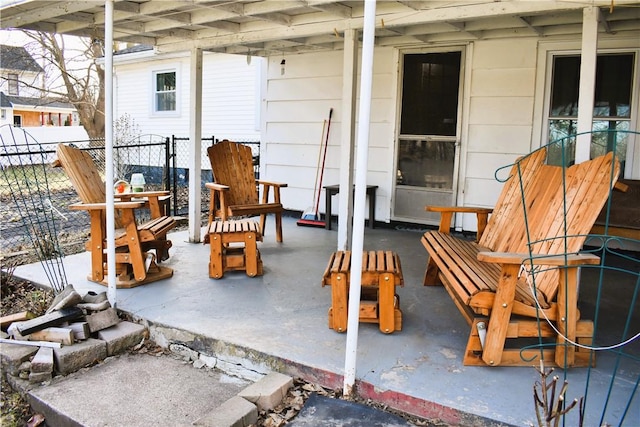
(134,390)
(121,336)
(268,392)
(102,319)
(71,358)
(38,377)
(42,361)
(12,356)
(80,330)
(235,412)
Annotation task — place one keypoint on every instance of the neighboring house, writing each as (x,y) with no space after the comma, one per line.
(152,89)
(149,88)
(24,103)
(460,88)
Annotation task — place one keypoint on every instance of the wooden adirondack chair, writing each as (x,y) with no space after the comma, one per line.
(234,191)
(136,264)
(540,222)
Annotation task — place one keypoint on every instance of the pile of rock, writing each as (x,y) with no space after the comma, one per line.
(75,332)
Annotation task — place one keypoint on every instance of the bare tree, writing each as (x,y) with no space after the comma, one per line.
(74,75)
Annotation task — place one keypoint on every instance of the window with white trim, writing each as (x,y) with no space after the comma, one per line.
(612,110)
(13,84)
(165,92)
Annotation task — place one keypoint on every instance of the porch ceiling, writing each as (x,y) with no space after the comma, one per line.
(274,27)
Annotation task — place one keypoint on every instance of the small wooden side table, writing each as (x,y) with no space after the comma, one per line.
(381,273)
(234,247)
(332,190)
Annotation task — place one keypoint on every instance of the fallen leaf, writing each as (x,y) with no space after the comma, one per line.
(35,420)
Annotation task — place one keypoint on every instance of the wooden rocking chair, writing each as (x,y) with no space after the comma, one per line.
(539,224)
(136,264)
(235,190)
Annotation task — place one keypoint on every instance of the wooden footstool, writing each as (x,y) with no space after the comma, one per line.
(234,247)
(381,273)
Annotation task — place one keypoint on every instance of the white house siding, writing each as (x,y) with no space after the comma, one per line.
(230,97)
(297,103)
(498,130)
(499,121)
(500,118)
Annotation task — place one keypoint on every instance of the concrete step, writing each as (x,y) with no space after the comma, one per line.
(98,382)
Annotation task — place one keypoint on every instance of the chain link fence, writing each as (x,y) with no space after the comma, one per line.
(180,171)
(163,161)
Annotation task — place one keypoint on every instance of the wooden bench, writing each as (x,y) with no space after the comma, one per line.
(381,273)
(540,222)
(234,247)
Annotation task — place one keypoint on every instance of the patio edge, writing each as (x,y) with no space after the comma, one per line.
(252,364)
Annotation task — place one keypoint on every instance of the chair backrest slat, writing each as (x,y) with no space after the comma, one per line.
(84,176)
(232,165)
(549,210)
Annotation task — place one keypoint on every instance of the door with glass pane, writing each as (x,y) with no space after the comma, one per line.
(427,150)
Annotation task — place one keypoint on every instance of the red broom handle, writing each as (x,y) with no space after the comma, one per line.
(324,157)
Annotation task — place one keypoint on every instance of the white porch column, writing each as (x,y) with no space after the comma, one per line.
(586,94)
(108,151)
(347,139)
(362,158)
(195,148)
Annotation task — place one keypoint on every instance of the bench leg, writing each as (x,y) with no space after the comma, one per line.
(216,267)
(339,307)
(386,309)
(135,250)
(431,274)
(251,254)
(567,316)
(97,251)
(500,315)
(279,227)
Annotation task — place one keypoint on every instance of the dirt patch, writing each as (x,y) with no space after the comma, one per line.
(17,296)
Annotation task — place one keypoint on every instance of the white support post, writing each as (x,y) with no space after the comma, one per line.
(347,144)
(362,158)
(195,148)
(588,58)
(108,151)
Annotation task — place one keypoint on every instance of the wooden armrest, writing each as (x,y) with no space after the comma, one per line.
(446,214)
(557,260)
(459,209)
(151,199)
(103,206)
(272,183)
(216,187)
(150,194)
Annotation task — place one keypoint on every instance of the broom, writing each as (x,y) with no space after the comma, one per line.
(312,218)
(311,213)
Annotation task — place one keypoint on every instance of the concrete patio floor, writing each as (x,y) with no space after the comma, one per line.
(278,322)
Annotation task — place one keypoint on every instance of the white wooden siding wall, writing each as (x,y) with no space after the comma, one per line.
(230,93)
(499,128)
(298,102)
(501,99)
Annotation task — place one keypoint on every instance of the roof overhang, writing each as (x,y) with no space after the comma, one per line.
(274,27)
